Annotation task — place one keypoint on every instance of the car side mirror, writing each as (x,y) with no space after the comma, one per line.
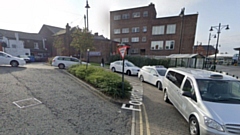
(187,94)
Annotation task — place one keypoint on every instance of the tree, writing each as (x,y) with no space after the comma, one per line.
(58,43)
(82,40)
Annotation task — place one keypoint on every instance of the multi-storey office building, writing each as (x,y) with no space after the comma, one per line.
(151,36)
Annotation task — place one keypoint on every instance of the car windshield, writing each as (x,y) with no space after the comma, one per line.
(161,72)
(227,91)
(129,64)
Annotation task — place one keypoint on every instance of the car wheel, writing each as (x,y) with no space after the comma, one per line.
(159,85)
(165,97)
(141,78)
(128,72)
(193,126)
(113,69)
(61,66)
(14,64)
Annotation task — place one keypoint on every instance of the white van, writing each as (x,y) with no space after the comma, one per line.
(209,101)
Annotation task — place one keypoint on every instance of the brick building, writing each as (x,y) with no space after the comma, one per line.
(204,50)
(151,36)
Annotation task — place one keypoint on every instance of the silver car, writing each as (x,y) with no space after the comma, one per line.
(209,101)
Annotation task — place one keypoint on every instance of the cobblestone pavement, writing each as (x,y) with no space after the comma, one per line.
(67,107)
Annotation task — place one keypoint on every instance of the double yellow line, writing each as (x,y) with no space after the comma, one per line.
(146,120)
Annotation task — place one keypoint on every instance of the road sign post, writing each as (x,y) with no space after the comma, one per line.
(122,51)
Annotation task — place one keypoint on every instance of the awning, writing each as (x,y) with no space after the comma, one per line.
(187,56)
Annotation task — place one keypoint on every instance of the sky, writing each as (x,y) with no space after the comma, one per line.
(30,15)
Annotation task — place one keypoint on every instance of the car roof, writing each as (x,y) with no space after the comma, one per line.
(156,67)
(202,74)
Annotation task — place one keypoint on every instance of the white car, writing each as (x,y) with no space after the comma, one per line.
(7,59)
(153,75)
(64,61)
(129,68)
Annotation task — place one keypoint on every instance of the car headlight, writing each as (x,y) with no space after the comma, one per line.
(213,124)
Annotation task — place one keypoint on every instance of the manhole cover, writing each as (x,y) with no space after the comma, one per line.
(27,102)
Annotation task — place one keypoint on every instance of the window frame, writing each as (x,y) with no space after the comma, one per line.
(136,14)
(134,41)
(125,16)
(117,31)
(125,30)
(135,29)
(169,45)
(153,46)
(171,29)
(158,30)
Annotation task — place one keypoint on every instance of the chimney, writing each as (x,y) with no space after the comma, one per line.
(67,28)
(96,34)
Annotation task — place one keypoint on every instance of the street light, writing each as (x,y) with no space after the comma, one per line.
(218,28)
(87,58)
(87,7)
(214,36)
(181,32)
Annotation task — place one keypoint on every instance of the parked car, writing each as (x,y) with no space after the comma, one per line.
(7,59)
(153,75)
(129,67)
(64,61)
(25,57)
(209,101)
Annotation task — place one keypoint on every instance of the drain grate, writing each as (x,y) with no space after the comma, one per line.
(27,102)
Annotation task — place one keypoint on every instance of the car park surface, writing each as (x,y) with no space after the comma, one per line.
(129,67)
(153,75)
(67,106)
(200,97)
(7,59)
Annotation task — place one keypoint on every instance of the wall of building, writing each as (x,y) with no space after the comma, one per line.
(144,47)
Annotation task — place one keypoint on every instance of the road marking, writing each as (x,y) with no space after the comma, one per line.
(140,122)
(133,123)
(146,119)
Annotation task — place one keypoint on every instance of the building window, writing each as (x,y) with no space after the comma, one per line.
(171,29)
(144,39)
(169,45)
(135,29)
(117,39)
(125,16)
(117,17)
(125,40)
(158,30)
(157,45)
(134,50)
(117,31)
(145,14)
(144,28)
(135,39)
(14,46)
(125,30)
(136,14)
(36,46)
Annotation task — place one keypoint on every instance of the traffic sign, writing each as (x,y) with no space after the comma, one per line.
(122,51)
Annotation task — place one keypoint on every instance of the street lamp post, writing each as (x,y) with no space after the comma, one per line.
(218,28)
(181,32)
(87,7)
(214,36)
(87,58)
